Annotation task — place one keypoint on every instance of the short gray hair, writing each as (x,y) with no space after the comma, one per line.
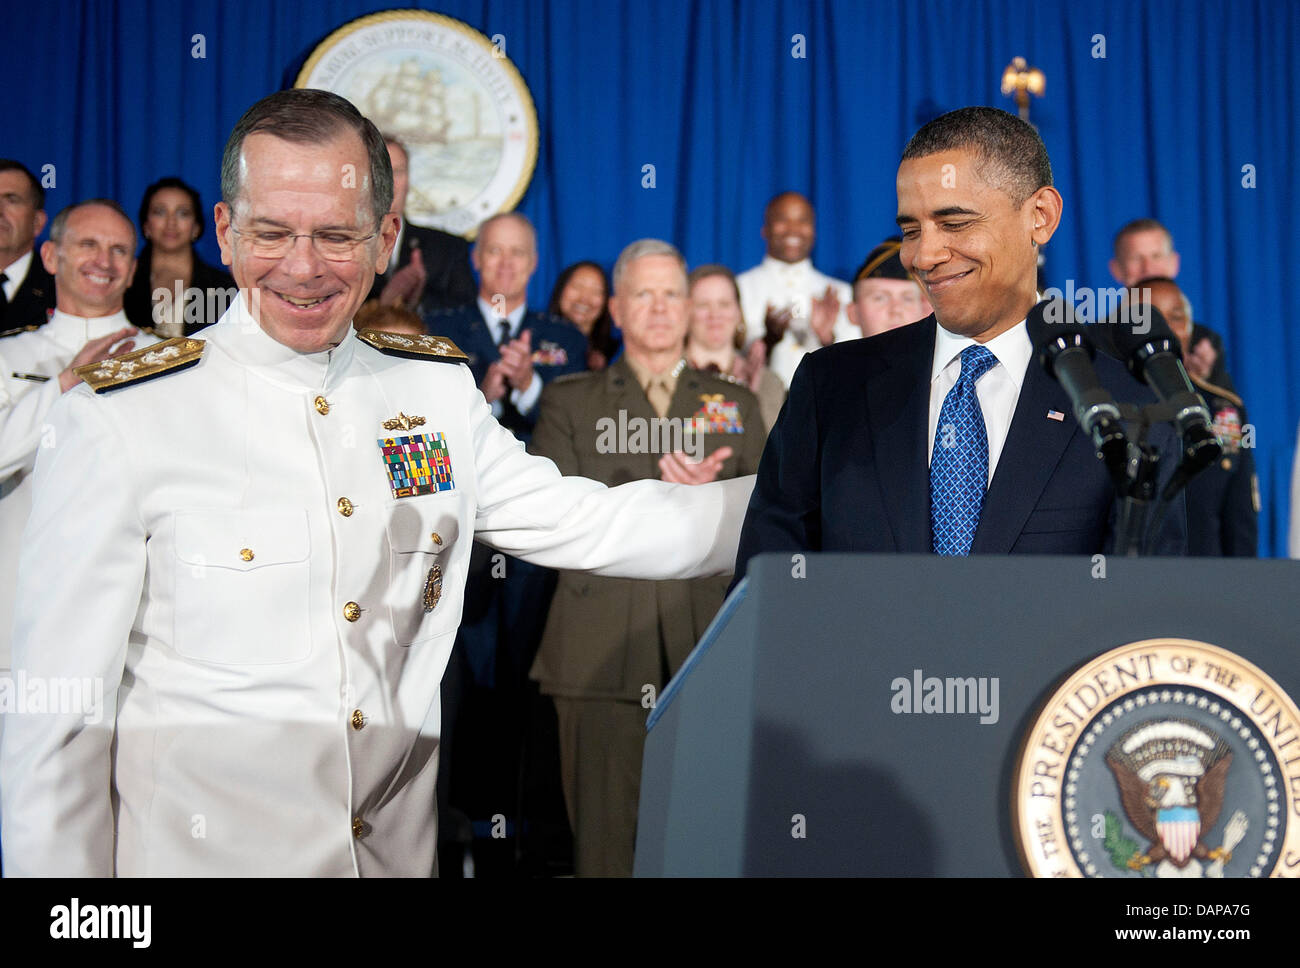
(59,225)
(306,116)
(519,217)
(639,250)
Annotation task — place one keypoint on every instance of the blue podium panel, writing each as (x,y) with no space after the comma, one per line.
(862,715)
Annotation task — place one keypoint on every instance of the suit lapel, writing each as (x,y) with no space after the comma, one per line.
(898,413)
(1031,453)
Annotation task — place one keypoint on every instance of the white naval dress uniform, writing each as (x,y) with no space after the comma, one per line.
(223,547)
(779,284)
(30,364)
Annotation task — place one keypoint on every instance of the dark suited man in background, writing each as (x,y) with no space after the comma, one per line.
(1144,249)
(26,288)
(1223,499)
(513,351)
(430,268)
(945,436)
(611,645)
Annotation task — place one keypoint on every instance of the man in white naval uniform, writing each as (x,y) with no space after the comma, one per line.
(91,255)
(268,575)
(810,305)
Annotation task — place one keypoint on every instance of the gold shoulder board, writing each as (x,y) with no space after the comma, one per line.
(20,329)
(413,347)
(119,371)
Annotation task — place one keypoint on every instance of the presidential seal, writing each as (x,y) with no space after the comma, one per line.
(451,96)
(1163,758)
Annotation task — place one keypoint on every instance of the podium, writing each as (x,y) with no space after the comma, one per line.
(795,740)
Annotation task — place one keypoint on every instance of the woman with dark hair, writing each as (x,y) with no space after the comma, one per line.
(171,220)
(581,295)
(716,332)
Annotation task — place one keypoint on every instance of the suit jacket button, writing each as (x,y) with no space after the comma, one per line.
(345,507)
(322,406)
(358,827)
(437,538)
(358,719)
(351,611)
(246,554)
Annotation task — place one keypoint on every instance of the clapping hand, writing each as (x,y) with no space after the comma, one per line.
(677,468)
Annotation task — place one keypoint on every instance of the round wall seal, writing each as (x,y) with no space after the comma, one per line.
(451,96)
(1163,758)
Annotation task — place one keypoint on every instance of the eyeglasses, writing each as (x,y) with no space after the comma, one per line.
(334,246)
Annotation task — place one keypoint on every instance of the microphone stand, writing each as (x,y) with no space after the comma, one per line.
(1136,474)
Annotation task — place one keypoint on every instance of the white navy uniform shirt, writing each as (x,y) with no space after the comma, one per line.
(779,284)
(222,547)
(30,364)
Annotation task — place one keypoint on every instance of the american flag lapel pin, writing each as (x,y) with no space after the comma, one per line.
(1055,415)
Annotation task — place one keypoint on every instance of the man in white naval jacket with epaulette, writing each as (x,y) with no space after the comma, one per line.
(257,541)
(91,256)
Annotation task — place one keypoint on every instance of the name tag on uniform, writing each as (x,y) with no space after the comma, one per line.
(717,416)
(417,464)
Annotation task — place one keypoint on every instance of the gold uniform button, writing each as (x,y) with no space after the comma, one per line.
(358,827)
(358,719)
(437,538)
(322,406)
(351,611)
(246,554)
(345,507)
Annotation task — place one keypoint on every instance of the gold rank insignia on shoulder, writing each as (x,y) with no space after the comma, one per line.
(413,347)
(30,328)
(119,371)
(403,422)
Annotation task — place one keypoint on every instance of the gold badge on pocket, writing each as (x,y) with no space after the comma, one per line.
(432,588)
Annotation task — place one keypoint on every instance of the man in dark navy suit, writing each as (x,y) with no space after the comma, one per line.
(26,288)
(429,269)
(946,436)
(512,350)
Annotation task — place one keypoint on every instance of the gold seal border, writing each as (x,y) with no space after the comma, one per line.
(478,37)
(1024,816)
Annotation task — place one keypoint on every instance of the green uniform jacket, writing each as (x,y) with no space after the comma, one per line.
(603,635)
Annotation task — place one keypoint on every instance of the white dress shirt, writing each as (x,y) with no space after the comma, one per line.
(998,390)
(524,400)
(795,284)
(15,273)
(221,548)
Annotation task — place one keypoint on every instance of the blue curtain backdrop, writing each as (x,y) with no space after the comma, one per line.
(709,93)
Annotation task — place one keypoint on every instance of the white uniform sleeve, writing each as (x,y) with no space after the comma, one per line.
(80,579)
(21,418)
(644,529)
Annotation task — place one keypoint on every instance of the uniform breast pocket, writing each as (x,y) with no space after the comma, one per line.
(242,586)
(422,533)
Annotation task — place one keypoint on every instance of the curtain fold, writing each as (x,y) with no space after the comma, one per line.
(713,94)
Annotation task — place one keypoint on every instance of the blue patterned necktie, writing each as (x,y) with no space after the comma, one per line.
(959,467)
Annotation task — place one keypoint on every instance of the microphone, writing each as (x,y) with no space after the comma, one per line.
(1066,351)
(1154,356)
